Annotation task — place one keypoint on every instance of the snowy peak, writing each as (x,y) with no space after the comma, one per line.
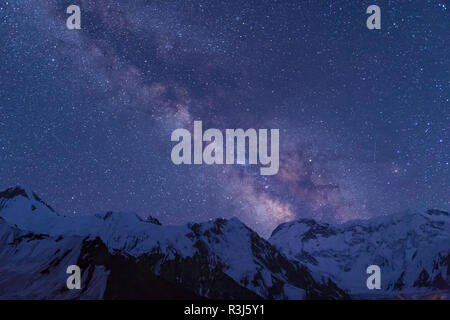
(22,194)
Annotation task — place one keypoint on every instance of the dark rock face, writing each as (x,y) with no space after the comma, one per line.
(438,281)
(13,192)
(129,278)
(199,275)
(153,220)
(436,212)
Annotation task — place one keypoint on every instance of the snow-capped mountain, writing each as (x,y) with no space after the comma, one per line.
(411,249)
(124,256)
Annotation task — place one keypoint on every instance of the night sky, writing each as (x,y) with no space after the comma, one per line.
(364,115)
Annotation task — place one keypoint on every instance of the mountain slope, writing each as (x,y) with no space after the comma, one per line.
(123,256)
(412,250)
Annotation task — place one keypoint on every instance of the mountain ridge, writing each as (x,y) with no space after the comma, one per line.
(411,248)
(219,259)
(302,259)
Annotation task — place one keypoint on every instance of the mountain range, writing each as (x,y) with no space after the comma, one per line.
(123,256)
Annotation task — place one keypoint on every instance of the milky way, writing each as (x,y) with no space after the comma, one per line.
(86,115)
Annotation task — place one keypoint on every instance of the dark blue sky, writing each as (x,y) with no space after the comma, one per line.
(364,116)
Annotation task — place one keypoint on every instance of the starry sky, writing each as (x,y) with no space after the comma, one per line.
(364,115)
